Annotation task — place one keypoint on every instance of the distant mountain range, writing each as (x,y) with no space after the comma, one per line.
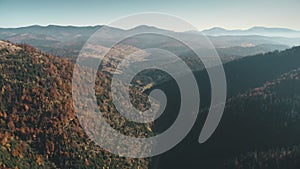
(257,30)
(67,41)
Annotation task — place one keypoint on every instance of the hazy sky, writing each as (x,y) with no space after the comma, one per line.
(230,14)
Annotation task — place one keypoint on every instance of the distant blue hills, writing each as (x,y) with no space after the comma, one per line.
(257,30)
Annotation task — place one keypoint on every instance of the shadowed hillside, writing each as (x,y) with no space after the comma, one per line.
(260,125)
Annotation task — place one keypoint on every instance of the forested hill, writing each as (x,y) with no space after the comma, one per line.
(251,72)
(261,123)
(264,124)
(254,71)
(38,125)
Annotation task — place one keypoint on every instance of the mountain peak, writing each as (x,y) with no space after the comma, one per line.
(145,28)
(216,29)
(257,27)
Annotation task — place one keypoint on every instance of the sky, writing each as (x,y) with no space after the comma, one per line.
(203,14)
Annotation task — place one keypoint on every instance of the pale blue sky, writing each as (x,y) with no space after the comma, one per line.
(230,14)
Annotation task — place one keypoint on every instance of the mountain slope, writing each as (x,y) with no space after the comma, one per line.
(268,121)
(39,128)
(249,123)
